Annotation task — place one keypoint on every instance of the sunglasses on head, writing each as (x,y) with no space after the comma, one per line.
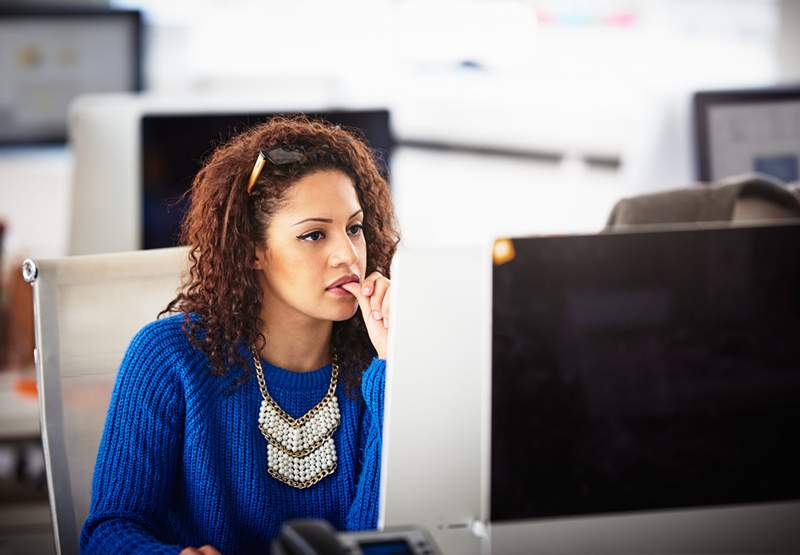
(281,155)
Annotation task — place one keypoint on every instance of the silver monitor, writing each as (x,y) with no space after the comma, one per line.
(436,412)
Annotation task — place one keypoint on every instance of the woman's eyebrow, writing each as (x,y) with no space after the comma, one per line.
(325,220)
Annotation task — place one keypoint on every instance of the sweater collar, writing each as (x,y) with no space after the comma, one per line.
(281,377)
(275,376)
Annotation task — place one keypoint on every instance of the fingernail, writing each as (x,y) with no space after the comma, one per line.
(376,315)
(386,324)
(366,291)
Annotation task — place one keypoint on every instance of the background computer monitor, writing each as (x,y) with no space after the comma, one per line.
(52,55)
(127,145)
(173,147)
(740,131)
(643,373)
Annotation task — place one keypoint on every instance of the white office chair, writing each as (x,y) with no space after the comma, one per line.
(86,310)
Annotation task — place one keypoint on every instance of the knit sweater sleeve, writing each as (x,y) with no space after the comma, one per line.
(363,513)
(139,452)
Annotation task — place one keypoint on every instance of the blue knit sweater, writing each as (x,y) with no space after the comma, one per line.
(182,461)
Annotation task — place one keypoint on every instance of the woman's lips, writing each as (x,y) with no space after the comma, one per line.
(339,291)
(344,280)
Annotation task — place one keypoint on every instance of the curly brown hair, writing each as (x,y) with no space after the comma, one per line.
(220,297)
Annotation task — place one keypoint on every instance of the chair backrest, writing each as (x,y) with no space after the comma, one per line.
(87,309)
(739,199)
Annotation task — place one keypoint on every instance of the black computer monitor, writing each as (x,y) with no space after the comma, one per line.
(752,130)
(51,55)
(173,147)
(647,371)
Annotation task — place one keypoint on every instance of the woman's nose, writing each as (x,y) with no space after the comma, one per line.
(344,252)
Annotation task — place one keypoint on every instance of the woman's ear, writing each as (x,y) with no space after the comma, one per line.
(259,255)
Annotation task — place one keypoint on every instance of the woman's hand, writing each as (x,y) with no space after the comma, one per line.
(205,550)
(373,299)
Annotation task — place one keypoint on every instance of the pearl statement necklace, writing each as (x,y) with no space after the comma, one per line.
(300,451)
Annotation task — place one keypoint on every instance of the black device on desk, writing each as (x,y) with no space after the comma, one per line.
(317,537)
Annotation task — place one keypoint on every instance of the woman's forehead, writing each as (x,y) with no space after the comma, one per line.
(327,193)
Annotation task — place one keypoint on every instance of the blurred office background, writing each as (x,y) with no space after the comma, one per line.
(506,117)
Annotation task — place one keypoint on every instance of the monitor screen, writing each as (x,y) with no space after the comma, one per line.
(645,371)
(748,131)
(50,56)
(175,145)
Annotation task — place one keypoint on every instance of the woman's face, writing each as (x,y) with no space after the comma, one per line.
(314,240)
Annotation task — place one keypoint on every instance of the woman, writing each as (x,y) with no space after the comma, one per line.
(262,399)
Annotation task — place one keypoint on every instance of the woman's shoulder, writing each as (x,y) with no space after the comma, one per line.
(162,329)
(154,368)
(163,338)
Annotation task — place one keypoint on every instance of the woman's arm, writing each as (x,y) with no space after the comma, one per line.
(363,514)
(373,384)
(139,452)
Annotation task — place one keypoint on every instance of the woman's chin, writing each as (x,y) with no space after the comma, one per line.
(338,308)
(343,313)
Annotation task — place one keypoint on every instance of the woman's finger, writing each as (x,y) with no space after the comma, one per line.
(385,308)
(367,287)
(375,329)
(379,292)
(205,550)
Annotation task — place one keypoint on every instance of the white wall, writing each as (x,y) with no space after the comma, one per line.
(34,202)
(789,41)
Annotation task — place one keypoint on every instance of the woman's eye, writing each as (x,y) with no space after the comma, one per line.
(313,236)
(356,229)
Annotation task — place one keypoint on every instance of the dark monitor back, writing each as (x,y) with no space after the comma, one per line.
(175,145)
(646,371)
